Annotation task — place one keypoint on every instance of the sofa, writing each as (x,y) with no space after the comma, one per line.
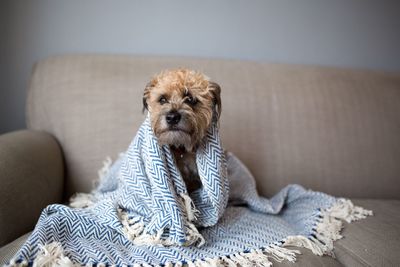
(328,129)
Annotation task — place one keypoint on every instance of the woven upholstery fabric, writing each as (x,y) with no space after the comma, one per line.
(372,242)
(331,130)
(31,177)
(9,250)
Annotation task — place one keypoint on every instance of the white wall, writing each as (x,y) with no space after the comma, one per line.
(348,33)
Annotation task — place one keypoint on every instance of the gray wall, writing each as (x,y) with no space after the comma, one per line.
(346,33)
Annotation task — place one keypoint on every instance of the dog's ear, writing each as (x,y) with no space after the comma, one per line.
(215,90)
(146,94)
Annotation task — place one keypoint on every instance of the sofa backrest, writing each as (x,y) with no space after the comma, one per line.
(332,130)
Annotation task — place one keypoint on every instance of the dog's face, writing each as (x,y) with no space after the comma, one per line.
(182,105)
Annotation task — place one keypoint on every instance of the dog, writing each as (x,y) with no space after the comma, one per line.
(182,104)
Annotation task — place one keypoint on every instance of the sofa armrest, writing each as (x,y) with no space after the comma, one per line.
(31,177)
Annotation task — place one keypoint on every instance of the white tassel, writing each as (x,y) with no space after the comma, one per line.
(216,262)
(240,261)
(190,263)
(228,262)
(280,253)
(344,209)
(135,233)
(257,258)
(52,255)
(200,263)
(191,210)
(131,230)
(106,167)
(81,200)
(193,236)
(146,239)
(302,241)
(329,228)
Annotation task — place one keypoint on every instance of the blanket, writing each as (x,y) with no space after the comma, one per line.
(141,214)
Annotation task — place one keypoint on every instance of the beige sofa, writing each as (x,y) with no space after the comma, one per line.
(332,130)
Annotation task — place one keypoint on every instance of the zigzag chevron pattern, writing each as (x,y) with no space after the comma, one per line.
(147,205)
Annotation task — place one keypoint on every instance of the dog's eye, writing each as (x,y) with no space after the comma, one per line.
(190,100)
(162,100)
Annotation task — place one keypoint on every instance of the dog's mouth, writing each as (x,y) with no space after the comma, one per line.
(175,129)
(175,136)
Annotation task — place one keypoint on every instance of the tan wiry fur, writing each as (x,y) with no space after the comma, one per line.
(172,91)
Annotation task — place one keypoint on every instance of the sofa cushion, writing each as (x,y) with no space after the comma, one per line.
(374,241)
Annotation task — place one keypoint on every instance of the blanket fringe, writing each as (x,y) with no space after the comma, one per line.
(106,167)
(134,231)
(329,227)
(191,210)
(254,258)
(301,241)
(131,229)
(81,200)
(345,210)
(194,236)
(52,255)
(326,232)
(280,253)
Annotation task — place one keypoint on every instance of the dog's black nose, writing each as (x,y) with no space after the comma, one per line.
(173,118)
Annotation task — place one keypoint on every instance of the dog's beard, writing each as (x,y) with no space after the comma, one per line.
(176,138)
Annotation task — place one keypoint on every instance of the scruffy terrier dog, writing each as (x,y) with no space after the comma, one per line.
(182,104)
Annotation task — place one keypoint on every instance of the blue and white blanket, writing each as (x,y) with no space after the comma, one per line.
(142,215)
